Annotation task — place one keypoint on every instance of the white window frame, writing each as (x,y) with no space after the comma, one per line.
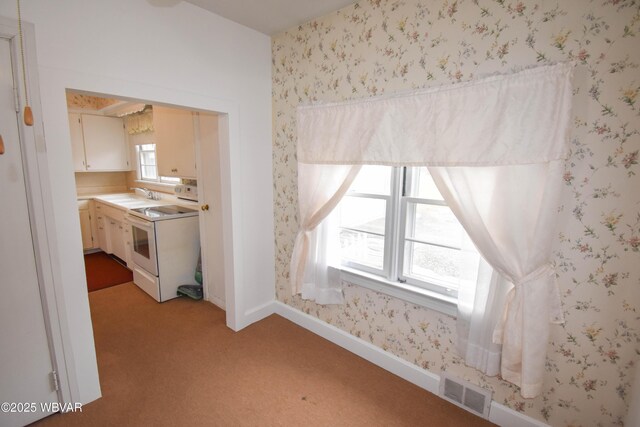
(406,216)
(391,280)
(161,180)
(139,156)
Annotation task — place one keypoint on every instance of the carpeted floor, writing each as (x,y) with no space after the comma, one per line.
(177,364)
(103,271)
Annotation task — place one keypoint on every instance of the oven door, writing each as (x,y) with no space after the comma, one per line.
(143,249)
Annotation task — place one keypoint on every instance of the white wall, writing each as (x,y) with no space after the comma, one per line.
(183,56)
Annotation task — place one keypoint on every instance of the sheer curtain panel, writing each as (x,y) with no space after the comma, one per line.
(320,188)
(509,212)
(495,147)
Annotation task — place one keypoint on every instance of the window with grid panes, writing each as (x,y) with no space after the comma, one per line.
(394,224)
(148,167)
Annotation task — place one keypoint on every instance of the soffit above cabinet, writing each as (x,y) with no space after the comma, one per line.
(269,17)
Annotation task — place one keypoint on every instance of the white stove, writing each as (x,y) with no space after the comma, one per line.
(166,245)
(159,213)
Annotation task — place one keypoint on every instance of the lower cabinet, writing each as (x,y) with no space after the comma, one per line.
(128,244)
(88,226)
(114,232)
(103,236)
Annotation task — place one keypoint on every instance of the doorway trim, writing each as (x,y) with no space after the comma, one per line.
(227,116)
(39,203)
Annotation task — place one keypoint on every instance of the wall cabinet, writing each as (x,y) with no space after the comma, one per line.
(77,142)
(175,142)
(98,143)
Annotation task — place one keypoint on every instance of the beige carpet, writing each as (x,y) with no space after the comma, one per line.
(177,364)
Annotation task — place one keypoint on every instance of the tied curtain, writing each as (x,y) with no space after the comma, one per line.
(509,212)
(495,148)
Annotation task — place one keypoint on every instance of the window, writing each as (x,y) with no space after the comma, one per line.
(394,224)
(147,161)
(147,166)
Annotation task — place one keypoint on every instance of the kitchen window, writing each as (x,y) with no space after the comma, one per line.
(148,167)
(395,228)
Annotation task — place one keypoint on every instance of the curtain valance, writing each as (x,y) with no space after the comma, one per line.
(521,118)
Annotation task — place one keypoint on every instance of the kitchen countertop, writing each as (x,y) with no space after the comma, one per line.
(125,201)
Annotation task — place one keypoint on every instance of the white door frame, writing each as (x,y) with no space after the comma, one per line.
(227,116)
(39,201)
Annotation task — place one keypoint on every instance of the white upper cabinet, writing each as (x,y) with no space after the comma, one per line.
(175,142)
(77,142)
(99,143)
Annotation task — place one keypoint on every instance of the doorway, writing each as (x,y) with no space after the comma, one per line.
(153,158)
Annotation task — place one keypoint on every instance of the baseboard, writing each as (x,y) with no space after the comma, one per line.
(218,302)
(258,313)
(499,414)
(505,416)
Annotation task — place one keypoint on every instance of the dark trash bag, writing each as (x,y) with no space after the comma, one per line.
(193,291)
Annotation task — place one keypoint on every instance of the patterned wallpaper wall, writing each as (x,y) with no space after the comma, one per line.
(380,47)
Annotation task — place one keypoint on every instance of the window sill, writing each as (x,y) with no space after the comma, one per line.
(413,294)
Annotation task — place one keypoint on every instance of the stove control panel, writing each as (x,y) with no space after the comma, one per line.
(187,192)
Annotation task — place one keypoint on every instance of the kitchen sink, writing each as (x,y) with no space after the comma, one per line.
(119,197)
(136,203)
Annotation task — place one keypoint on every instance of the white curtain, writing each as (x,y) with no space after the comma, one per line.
(481,296)
(510,212)
(495,148)
(499,120)
(320,188)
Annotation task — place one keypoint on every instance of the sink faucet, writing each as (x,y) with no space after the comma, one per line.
(148,193)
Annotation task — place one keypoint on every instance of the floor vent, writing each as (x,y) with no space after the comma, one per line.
(466,395)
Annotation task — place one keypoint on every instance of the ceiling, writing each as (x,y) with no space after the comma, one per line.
(269,16)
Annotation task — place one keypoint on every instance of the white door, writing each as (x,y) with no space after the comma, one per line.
(210,193)
(25,360)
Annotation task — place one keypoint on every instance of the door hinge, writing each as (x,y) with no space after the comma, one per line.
(54,380)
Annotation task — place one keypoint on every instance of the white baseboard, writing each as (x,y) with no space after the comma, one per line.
(505,416)
(258,313)
(218,302)
(499,414)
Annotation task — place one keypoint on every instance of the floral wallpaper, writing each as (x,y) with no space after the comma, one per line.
(379,47)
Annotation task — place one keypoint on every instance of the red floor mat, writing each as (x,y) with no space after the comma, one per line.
(103,271)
